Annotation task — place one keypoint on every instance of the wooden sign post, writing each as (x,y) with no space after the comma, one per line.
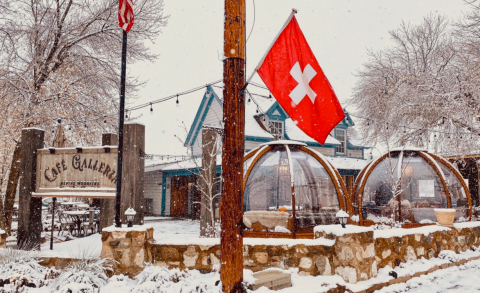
(231,243)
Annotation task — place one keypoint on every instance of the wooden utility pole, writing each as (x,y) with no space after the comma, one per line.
(231,243)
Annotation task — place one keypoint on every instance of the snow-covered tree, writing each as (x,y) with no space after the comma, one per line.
(423,90)
(61,59)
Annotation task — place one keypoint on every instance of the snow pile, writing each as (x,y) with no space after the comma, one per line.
(83,275)
(160,279)
(449,255)
(20,269)
(337,230)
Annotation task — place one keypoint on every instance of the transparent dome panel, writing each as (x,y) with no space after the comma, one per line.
(422,190)
(378,190)
(316,198)
(268,186)
(458,195)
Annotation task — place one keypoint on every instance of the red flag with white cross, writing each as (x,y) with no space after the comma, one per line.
(292,74)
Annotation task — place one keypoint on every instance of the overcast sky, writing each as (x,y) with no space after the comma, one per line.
(190,47)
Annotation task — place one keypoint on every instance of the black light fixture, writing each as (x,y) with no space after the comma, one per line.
(178,103)
(130,214)
(342,217)
(126,114)
(59,120)
(151,109)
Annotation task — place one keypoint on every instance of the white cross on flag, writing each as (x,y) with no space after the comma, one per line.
(295,78)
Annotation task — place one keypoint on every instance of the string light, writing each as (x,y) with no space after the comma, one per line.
(257,110)
(151,109)
(59,120)
(178,103)
(126,114)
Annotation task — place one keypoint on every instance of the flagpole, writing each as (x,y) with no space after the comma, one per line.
(118,196)
(292,14)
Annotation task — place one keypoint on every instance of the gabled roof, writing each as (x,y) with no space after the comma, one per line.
(208,98)
(252,128)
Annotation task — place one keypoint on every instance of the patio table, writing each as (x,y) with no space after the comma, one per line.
(78,217)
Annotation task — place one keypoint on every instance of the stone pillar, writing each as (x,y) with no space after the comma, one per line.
(107,206)
(207,178)
(354,251)
(133,171)
(29,208)
(130,247)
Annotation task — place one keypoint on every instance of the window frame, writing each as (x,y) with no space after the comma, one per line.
(282,124)
(343,143)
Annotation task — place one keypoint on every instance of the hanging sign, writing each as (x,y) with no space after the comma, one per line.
(77,172)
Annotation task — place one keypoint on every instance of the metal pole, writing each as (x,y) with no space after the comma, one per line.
(53,222)
(118,197)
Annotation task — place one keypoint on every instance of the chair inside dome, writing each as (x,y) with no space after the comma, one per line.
(277,202)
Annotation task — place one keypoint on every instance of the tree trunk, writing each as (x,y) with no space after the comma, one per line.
(209,166)
(11,189)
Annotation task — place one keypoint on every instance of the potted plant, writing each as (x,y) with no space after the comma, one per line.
(445,216)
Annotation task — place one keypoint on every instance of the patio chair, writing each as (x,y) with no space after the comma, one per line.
(88,222)
(66,224)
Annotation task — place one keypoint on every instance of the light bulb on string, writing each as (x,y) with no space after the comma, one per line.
(404,130)
(59,121)
(126,114)
(257,110)
(178,102)
(151,109)
(249,100)
(387,126)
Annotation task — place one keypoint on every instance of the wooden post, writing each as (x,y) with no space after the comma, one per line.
(107,206)
(231,243)
(29,208)
(209,166)
(134,171)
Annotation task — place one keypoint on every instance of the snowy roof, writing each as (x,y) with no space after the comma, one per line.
(295,133)
(409,149)
(189,164)
(252,128)
(347,163)
(290,142)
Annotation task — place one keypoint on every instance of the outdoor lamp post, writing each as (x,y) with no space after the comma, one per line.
(342,217)
(130,214)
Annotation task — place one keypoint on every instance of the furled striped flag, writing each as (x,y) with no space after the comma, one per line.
(125,14)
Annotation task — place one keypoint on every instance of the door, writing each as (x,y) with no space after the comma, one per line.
(179,204)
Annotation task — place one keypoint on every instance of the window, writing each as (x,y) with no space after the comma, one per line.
(276,129)
(340,136)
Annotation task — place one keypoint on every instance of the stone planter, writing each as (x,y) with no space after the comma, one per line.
(445,216)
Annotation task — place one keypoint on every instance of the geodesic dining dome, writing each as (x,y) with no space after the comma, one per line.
(288,189)
(406,185)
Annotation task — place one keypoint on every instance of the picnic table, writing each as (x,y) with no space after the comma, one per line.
(83,220)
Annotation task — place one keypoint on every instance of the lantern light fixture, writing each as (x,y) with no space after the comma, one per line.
(342,217)
(130,214)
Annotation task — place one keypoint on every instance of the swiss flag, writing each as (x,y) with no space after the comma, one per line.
(295,78)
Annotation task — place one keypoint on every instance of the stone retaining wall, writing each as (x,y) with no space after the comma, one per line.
(129,247)
(310,259)
(355,253)
(397,249)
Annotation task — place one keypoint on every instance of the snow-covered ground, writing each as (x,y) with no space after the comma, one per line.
(465,278)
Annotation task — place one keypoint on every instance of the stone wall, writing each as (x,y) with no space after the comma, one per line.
(420,242)
(130,247)
(311,260)
(353,253)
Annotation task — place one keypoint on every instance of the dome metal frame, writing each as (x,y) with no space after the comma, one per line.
(344,200)
(429,157)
